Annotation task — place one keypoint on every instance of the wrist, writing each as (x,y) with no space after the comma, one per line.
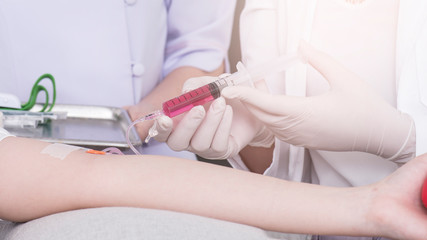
(378,211)
(390,136)
(264,138)
(407,149)
(399,139)
(357,216)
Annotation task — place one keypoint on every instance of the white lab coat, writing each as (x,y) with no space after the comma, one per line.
(108,52)
(279,25)
(411,65)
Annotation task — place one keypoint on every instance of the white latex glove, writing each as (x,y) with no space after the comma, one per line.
(1,119)
(349,117)
(219,133)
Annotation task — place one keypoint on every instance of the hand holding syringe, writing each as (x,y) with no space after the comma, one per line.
(211,91)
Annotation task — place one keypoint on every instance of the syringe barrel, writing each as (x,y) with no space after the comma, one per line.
(198,96)
(211,91)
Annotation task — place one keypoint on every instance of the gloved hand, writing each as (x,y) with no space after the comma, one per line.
(219,133)
(349,117)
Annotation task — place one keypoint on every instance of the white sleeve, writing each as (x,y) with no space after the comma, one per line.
(412,91)
(199,33)
(4,134)
(237,163)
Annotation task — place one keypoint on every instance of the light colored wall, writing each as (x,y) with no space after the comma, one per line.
(234,51)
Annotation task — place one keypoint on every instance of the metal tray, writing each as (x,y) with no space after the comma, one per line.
(84,126)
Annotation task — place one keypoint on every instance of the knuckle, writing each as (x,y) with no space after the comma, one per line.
(219,150)
(177,147)
(199,147)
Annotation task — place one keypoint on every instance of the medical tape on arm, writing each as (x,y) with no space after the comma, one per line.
(58,150)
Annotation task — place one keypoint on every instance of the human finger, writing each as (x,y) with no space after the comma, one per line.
(221,141)
(163,126)
(181,136)
(261,103)
(204,135)
(193,83)
(326,65)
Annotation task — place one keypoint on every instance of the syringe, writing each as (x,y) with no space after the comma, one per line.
(211,91)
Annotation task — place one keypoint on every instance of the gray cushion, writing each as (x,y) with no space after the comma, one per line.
(128,224)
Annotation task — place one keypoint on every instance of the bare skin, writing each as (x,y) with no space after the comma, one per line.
(257,159)
(34,185)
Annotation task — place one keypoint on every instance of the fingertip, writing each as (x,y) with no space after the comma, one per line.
(228,113)
(164,122)
(241,93)
(197,112)
(218,104)
(229,92)
(325,64)
(304,50)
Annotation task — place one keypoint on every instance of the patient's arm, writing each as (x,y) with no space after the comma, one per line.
(34,185)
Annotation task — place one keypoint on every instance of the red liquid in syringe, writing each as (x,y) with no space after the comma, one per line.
(211,91)
(187,101)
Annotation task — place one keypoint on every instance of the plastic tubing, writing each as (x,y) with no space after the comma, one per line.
(211,91)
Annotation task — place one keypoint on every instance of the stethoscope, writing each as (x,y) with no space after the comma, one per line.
(36,89)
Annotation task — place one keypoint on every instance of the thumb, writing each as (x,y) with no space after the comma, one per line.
(264,102)
(162,127)
(196,82)
(330,69)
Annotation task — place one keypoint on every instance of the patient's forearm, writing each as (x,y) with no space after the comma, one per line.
(33,185)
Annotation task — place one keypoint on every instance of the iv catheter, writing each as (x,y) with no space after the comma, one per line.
(211,91)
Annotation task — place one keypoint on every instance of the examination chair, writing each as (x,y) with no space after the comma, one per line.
(120,223)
